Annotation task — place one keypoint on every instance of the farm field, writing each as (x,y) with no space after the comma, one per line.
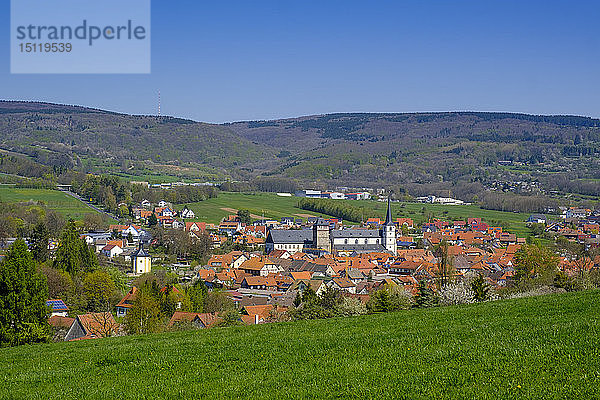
(213,210)
(273,206)
(545,347)
(53,199)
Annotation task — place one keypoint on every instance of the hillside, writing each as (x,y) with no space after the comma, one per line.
(86,138)
(543,347)
(460,154)
(433,152)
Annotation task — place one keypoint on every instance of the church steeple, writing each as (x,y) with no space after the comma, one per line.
(388,232)
(388,217)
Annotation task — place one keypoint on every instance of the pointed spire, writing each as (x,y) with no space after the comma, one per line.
(388,217)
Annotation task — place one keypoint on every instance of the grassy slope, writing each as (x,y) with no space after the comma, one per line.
(277,207)
(54,199)
(545,347)
(273,206)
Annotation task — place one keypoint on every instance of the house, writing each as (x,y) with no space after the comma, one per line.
(343,284)
(125,230)
(163,203)
(60,326)
(57,308)
(259,314)
(164,212)
(536,219)
(146,204)
(92,326)
(111,250)
(196,320)
(186,213)
(577,213)
(230,227)
(259,283)
(259,266)
(126,303)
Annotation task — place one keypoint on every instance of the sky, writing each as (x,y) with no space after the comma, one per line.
(223,61)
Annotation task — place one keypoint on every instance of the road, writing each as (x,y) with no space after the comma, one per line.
(90,205)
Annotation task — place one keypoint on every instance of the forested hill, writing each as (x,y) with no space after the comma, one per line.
(84,136)
(461,153)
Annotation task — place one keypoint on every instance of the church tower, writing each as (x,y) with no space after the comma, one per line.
(321,239)
(388,233)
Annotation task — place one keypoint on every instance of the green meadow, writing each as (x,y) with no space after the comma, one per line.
(53,199)
(274,206)
(545,347)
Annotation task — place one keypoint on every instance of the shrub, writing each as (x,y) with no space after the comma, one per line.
(457,293)
(349,306)
(390,298)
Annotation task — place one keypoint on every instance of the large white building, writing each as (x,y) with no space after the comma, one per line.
(323,237)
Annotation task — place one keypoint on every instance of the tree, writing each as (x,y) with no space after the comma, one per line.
(144,316)
(217,301)
(535,263)
(196,294)
(98,288)
(93,221)
(390,297)
(59,282)
(480,289)
(55,223)
(23,293)
(244,216)
(425,296)
(330,298)
(39,242)
(152,220)
(350,306)
(445,270)
(230,317)
(73,254)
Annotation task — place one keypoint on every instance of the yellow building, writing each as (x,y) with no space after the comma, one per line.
(141,262)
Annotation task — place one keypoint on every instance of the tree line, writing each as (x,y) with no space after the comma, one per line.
(335,208)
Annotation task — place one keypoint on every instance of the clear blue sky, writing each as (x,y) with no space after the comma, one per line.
(236,60)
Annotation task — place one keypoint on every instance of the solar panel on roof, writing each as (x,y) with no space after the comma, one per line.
(56,304)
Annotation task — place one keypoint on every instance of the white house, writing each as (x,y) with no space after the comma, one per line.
(187,213)
(111,250)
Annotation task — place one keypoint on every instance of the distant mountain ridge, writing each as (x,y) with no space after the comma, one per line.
(360,149)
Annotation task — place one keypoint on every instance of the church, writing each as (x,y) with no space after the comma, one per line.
(322,238)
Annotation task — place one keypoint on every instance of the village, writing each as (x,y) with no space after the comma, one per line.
(273,262)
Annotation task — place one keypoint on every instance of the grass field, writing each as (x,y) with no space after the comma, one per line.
(272,205)
(536,348)
(53,199)
(276,207)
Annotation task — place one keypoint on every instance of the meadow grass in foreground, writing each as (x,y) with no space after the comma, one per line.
(535,348)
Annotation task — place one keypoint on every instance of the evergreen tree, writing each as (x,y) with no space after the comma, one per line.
(23,293)
(152,220)
(39,242)
(425,296)
(73,254)
(480,289)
